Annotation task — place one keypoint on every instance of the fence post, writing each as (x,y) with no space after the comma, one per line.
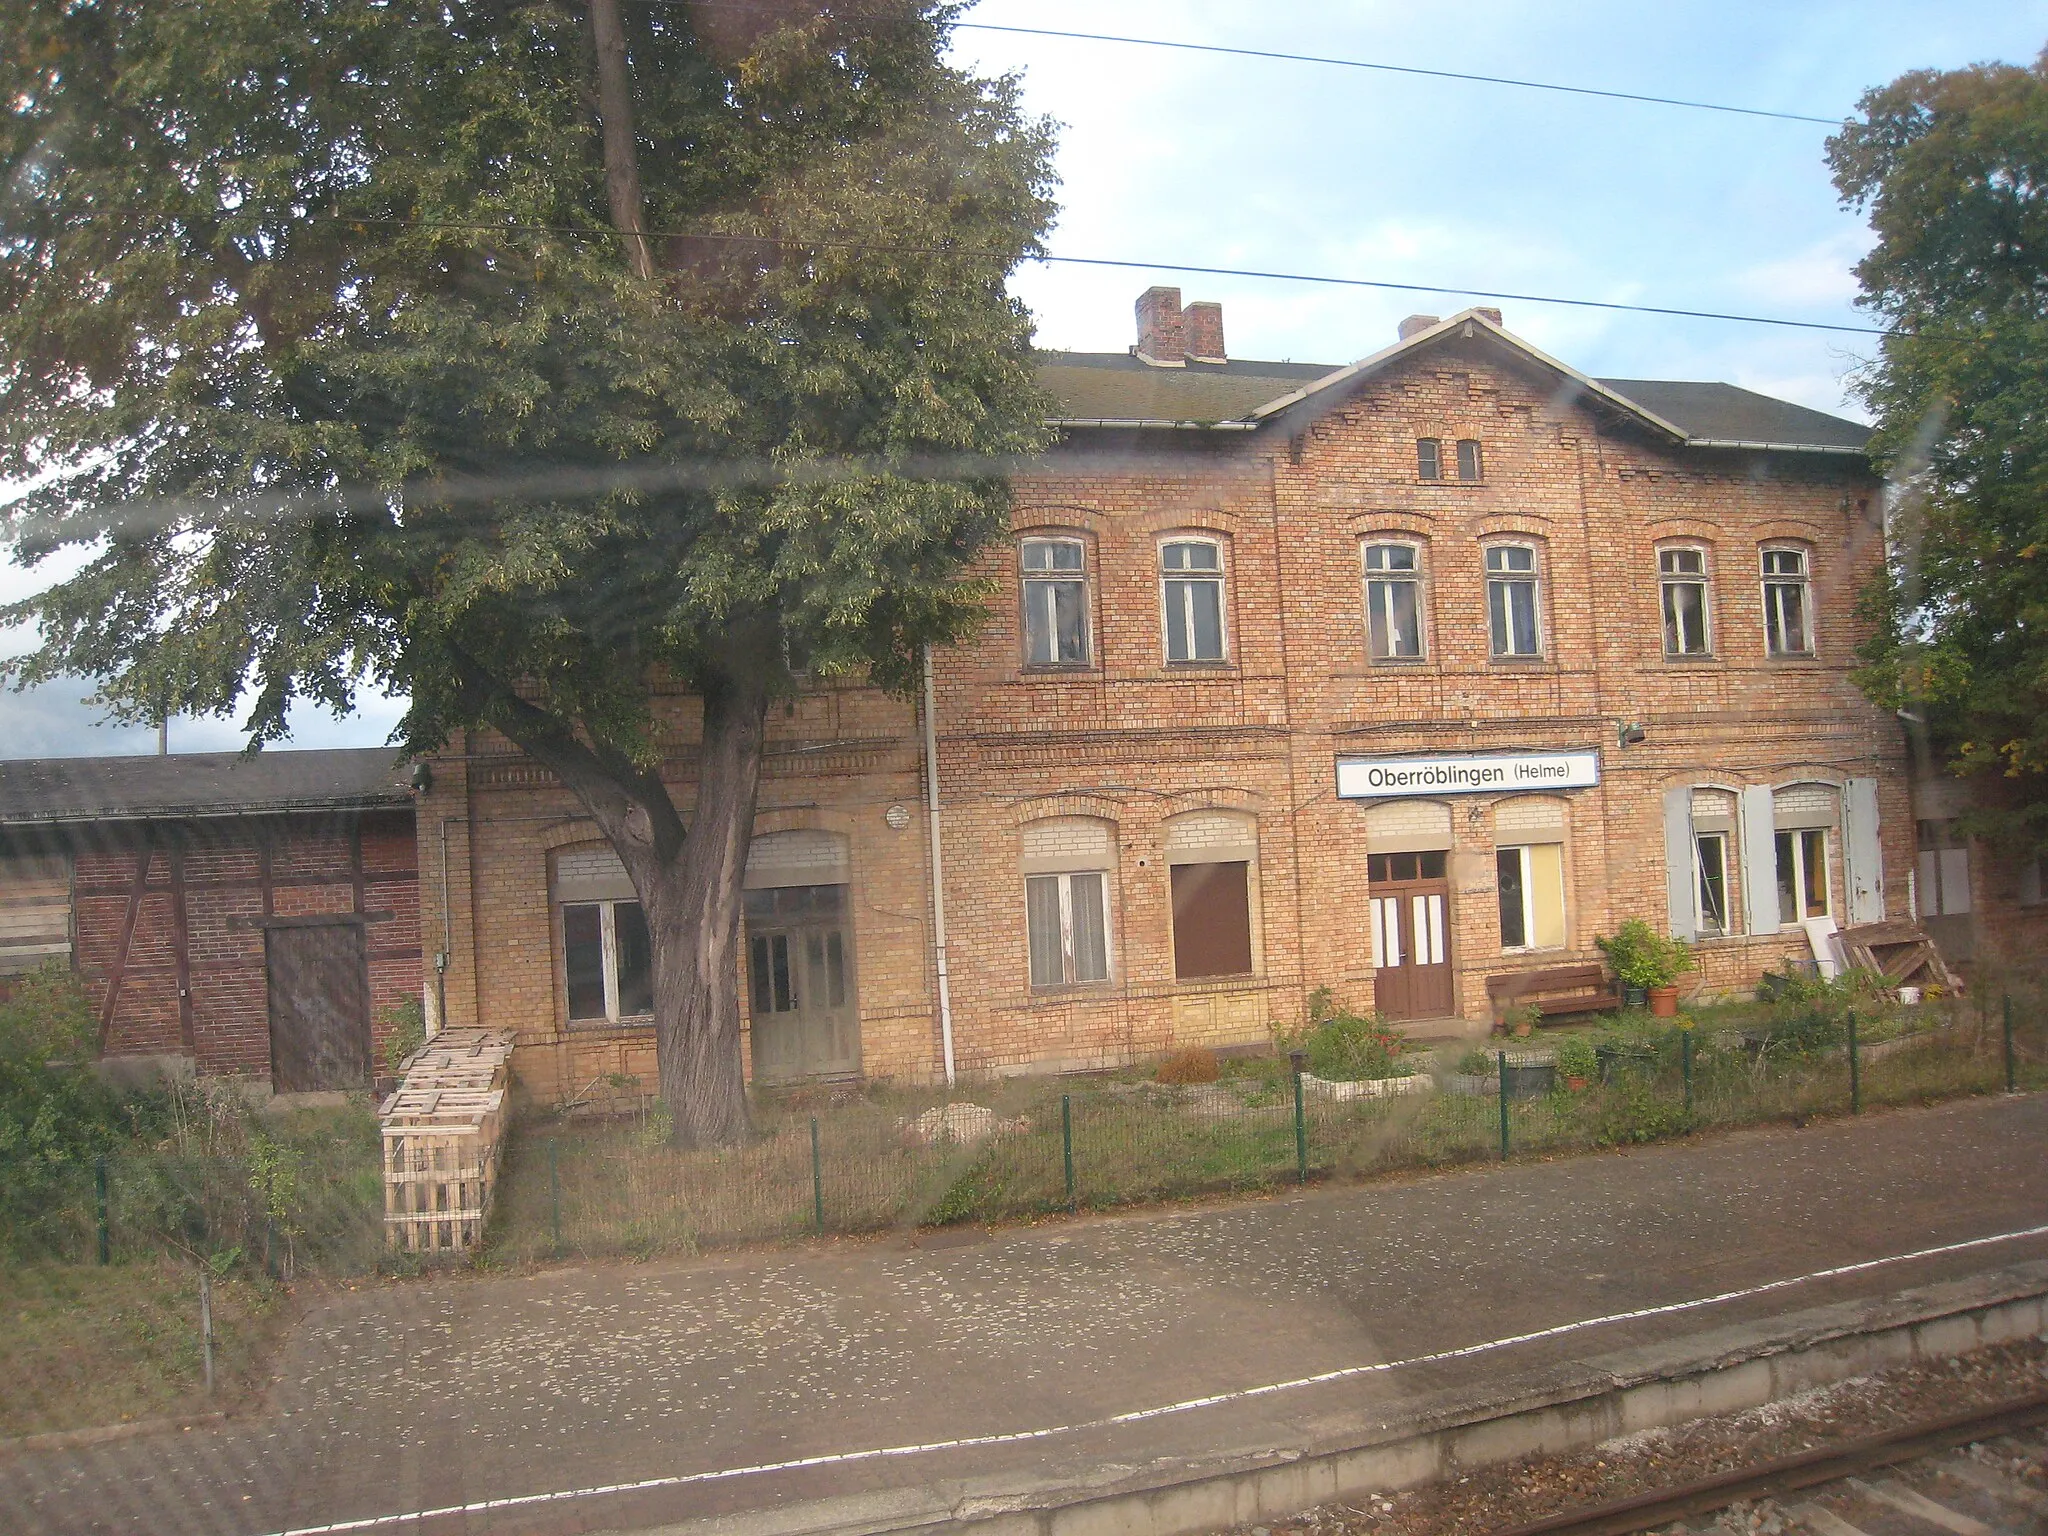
(206,1325)
(817,1179)
(1855,1074)
(99,1204)
(2012,1082)
(1685,1067)
(554,1196)
(1502,1058)
(1067,1147)
(1300,1133)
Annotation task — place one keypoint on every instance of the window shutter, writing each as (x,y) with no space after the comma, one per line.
(1759,859)
(1679,878)
(1863,854)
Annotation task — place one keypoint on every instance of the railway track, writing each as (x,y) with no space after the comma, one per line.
(1950,1475)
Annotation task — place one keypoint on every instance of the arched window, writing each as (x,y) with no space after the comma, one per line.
(1682,593)
(1393,600)
(1788,618)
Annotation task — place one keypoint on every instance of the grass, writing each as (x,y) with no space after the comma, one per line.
(614,1188)
(84,1346)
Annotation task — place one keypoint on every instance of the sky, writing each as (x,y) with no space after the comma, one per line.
(1218,161)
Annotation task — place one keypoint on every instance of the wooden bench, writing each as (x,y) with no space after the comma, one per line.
(1558,991)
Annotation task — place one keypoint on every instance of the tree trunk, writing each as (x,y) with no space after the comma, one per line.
(693,919)
(621,155)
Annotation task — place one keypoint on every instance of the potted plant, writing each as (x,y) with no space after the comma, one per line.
(1576,1062)
(1522,1019)
(1644,961)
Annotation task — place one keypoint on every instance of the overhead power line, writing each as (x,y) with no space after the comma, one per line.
(868,247)
(1391,69)
(1315,58)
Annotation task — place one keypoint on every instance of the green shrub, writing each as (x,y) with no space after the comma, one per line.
(405,1031)
(1477,1062)
(1344,1046)
(1640,956)
(56,1115)
(1630,1111)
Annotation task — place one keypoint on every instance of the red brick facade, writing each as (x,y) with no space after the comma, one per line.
(1128,764)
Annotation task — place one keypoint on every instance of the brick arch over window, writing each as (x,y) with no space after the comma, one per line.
(809,856)
(1407,826)
(1212,859)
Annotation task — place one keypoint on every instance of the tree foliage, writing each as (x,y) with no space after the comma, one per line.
(319,336)
(1952,168)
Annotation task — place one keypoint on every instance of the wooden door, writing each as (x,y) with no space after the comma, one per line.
(1411,934)
(805,1016)
(319,1008)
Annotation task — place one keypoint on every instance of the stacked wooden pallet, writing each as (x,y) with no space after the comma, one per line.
(1899,952)
(442,1132)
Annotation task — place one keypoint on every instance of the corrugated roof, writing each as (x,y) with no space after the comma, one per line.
(56,789)
(1110,388)
(1115,386)
(1724,413)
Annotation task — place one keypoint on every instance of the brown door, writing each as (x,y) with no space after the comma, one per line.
(1411,934)
(803,1011)
(319,1008)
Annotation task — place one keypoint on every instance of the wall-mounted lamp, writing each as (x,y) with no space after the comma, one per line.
(422,778)
(1628,735)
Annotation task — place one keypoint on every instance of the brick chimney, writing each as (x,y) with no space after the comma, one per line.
(1160,329)
(1416,323)
(1202,324)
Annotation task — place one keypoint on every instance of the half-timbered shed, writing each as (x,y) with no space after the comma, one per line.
(239,916)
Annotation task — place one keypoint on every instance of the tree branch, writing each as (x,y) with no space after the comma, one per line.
(615,116)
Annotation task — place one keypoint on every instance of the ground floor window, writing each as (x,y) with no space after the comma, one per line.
(608,960)
(1531,896)
(1710,858)
(1068,928)
(1212,919)
(1802,874)
(1943,871)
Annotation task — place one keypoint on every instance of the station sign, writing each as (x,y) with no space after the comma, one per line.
(1374,778)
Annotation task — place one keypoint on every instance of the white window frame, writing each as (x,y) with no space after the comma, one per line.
(1702,579)
(1067,966)
(1701,924)
(1041,583)
(1532,578)
(1801,875)
(1521,850)
(608,950)
(1187,580)
(1771,583)
(1389,578)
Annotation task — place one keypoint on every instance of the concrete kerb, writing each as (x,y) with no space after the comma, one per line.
(1540,1412)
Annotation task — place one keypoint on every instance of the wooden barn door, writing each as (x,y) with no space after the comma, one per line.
(319,1008)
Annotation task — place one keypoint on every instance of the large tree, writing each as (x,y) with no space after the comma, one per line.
(1952,168)
(540,360)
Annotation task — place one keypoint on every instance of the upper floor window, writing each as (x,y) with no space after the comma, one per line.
(1468,458)
(1429,458)
(1788,629)
(1191,588)
(1393,601)
(1511,600)
(1055,602)
(1682,575)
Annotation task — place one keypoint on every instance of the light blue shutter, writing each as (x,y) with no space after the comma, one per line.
(1759,859)
(1862,852)
(1679,877)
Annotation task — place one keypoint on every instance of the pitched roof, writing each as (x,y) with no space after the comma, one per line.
(56,789)
(1115,389)
(1723,414)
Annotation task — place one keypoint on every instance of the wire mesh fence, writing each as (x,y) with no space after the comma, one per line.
(151,1276)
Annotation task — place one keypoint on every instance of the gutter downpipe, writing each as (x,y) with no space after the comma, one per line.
(447,938)
(931,787)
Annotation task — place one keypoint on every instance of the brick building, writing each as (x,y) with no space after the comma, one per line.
(251,917)
(1388,678)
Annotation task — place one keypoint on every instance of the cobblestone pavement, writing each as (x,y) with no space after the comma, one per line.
(422,1395)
